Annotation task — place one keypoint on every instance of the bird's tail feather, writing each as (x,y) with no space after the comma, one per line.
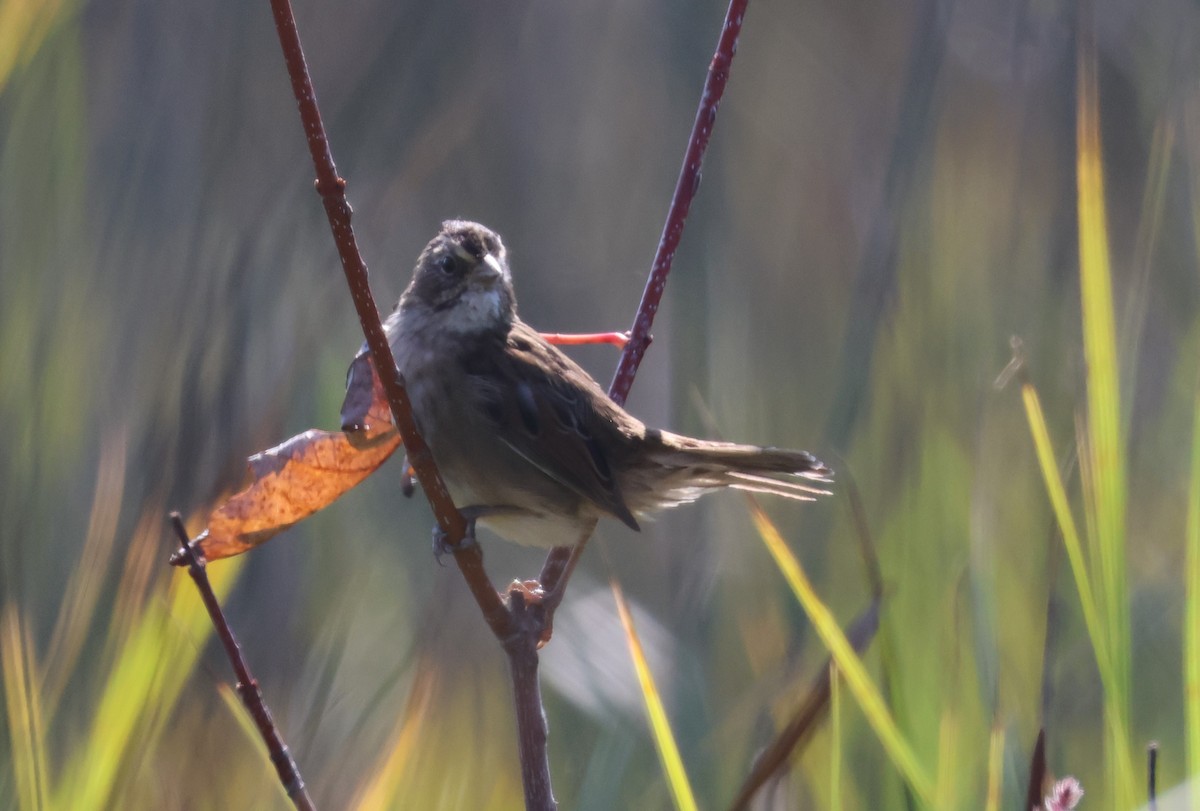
(703,465)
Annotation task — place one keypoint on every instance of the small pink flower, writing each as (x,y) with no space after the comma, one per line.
(1064,796)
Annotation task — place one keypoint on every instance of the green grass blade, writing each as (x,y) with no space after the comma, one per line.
(1191,626)
(1106,455)
(82,593)
(772,761)
(835,739)
(948,761)
(148,673)
(1066,524)
(1106,450)
(861,686)
(660,727)
(995,770)
(383,783)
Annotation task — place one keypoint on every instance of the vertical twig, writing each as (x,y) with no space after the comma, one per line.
(247,685)
(532,731)
(521,627)
(333,195)
(681,202)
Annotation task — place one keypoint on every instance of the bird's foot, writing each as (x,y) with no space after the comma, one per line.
(441,544)
(532,623)
(531,591)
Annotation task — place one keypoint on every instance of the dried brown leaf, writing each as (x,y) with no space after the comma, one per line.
(307,472)
(312,470)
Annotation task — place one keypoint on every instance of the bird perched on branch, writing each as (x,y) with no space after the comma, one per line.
(527,442)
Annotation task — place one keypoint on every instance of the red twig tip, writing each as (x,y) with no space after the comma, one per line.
(617,339)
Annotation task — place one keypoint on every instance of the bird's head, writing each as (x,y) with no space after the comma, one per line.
(462,276)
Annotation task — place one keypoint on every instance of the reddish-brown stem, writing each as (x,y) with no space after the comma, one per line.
(519,626)
(247,686)
(333,194)
(681,202)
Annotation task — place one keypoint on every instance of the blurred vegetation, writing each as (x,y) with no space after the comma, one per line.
(890,196)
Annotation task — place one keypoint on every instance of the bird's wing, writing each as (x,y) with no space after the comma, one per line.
(554,415)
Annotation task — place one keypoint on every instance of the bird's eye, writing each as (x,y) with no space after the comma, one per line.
(446,264)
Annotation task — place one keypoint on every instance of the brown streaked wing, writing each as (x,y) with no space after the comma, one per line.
(551,419)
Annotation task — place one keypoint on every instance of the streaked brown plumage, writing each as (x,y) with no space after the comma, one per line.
(525,439)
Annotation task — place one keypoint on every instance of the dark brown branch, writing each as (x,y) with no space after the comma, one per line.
(522,648)
(1152,776)
(247,686)
(1036,789)
(520,627)
(333,194)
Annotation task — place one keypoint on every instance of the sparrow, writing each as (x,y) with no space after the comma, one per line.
(528,443)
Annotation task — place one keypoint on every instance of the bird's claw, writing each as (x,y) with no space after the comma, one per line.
(530,590)
(441,546)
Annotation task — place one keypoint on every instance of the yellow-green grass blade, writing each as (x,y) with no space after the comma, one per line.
(793,738)
(948,765)
(382,787)
(23,703)
(835,739)
(1087,490)
(995,768)
(24,26)
(855,672)
(1191,626)
(83,590)
(148,673)
(1066,524)
(660,727)
(1106,455)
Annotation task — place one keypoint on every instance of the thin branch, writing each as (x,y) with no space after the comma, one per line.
(681,202)
(333,194)
(529,619)
(247,685)
(521,627)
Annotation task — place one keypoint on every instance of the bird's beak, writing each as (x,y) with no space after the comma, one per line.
(490,270)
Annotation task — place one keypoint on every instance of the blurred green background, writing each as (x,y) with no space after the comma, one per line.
(888,198)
